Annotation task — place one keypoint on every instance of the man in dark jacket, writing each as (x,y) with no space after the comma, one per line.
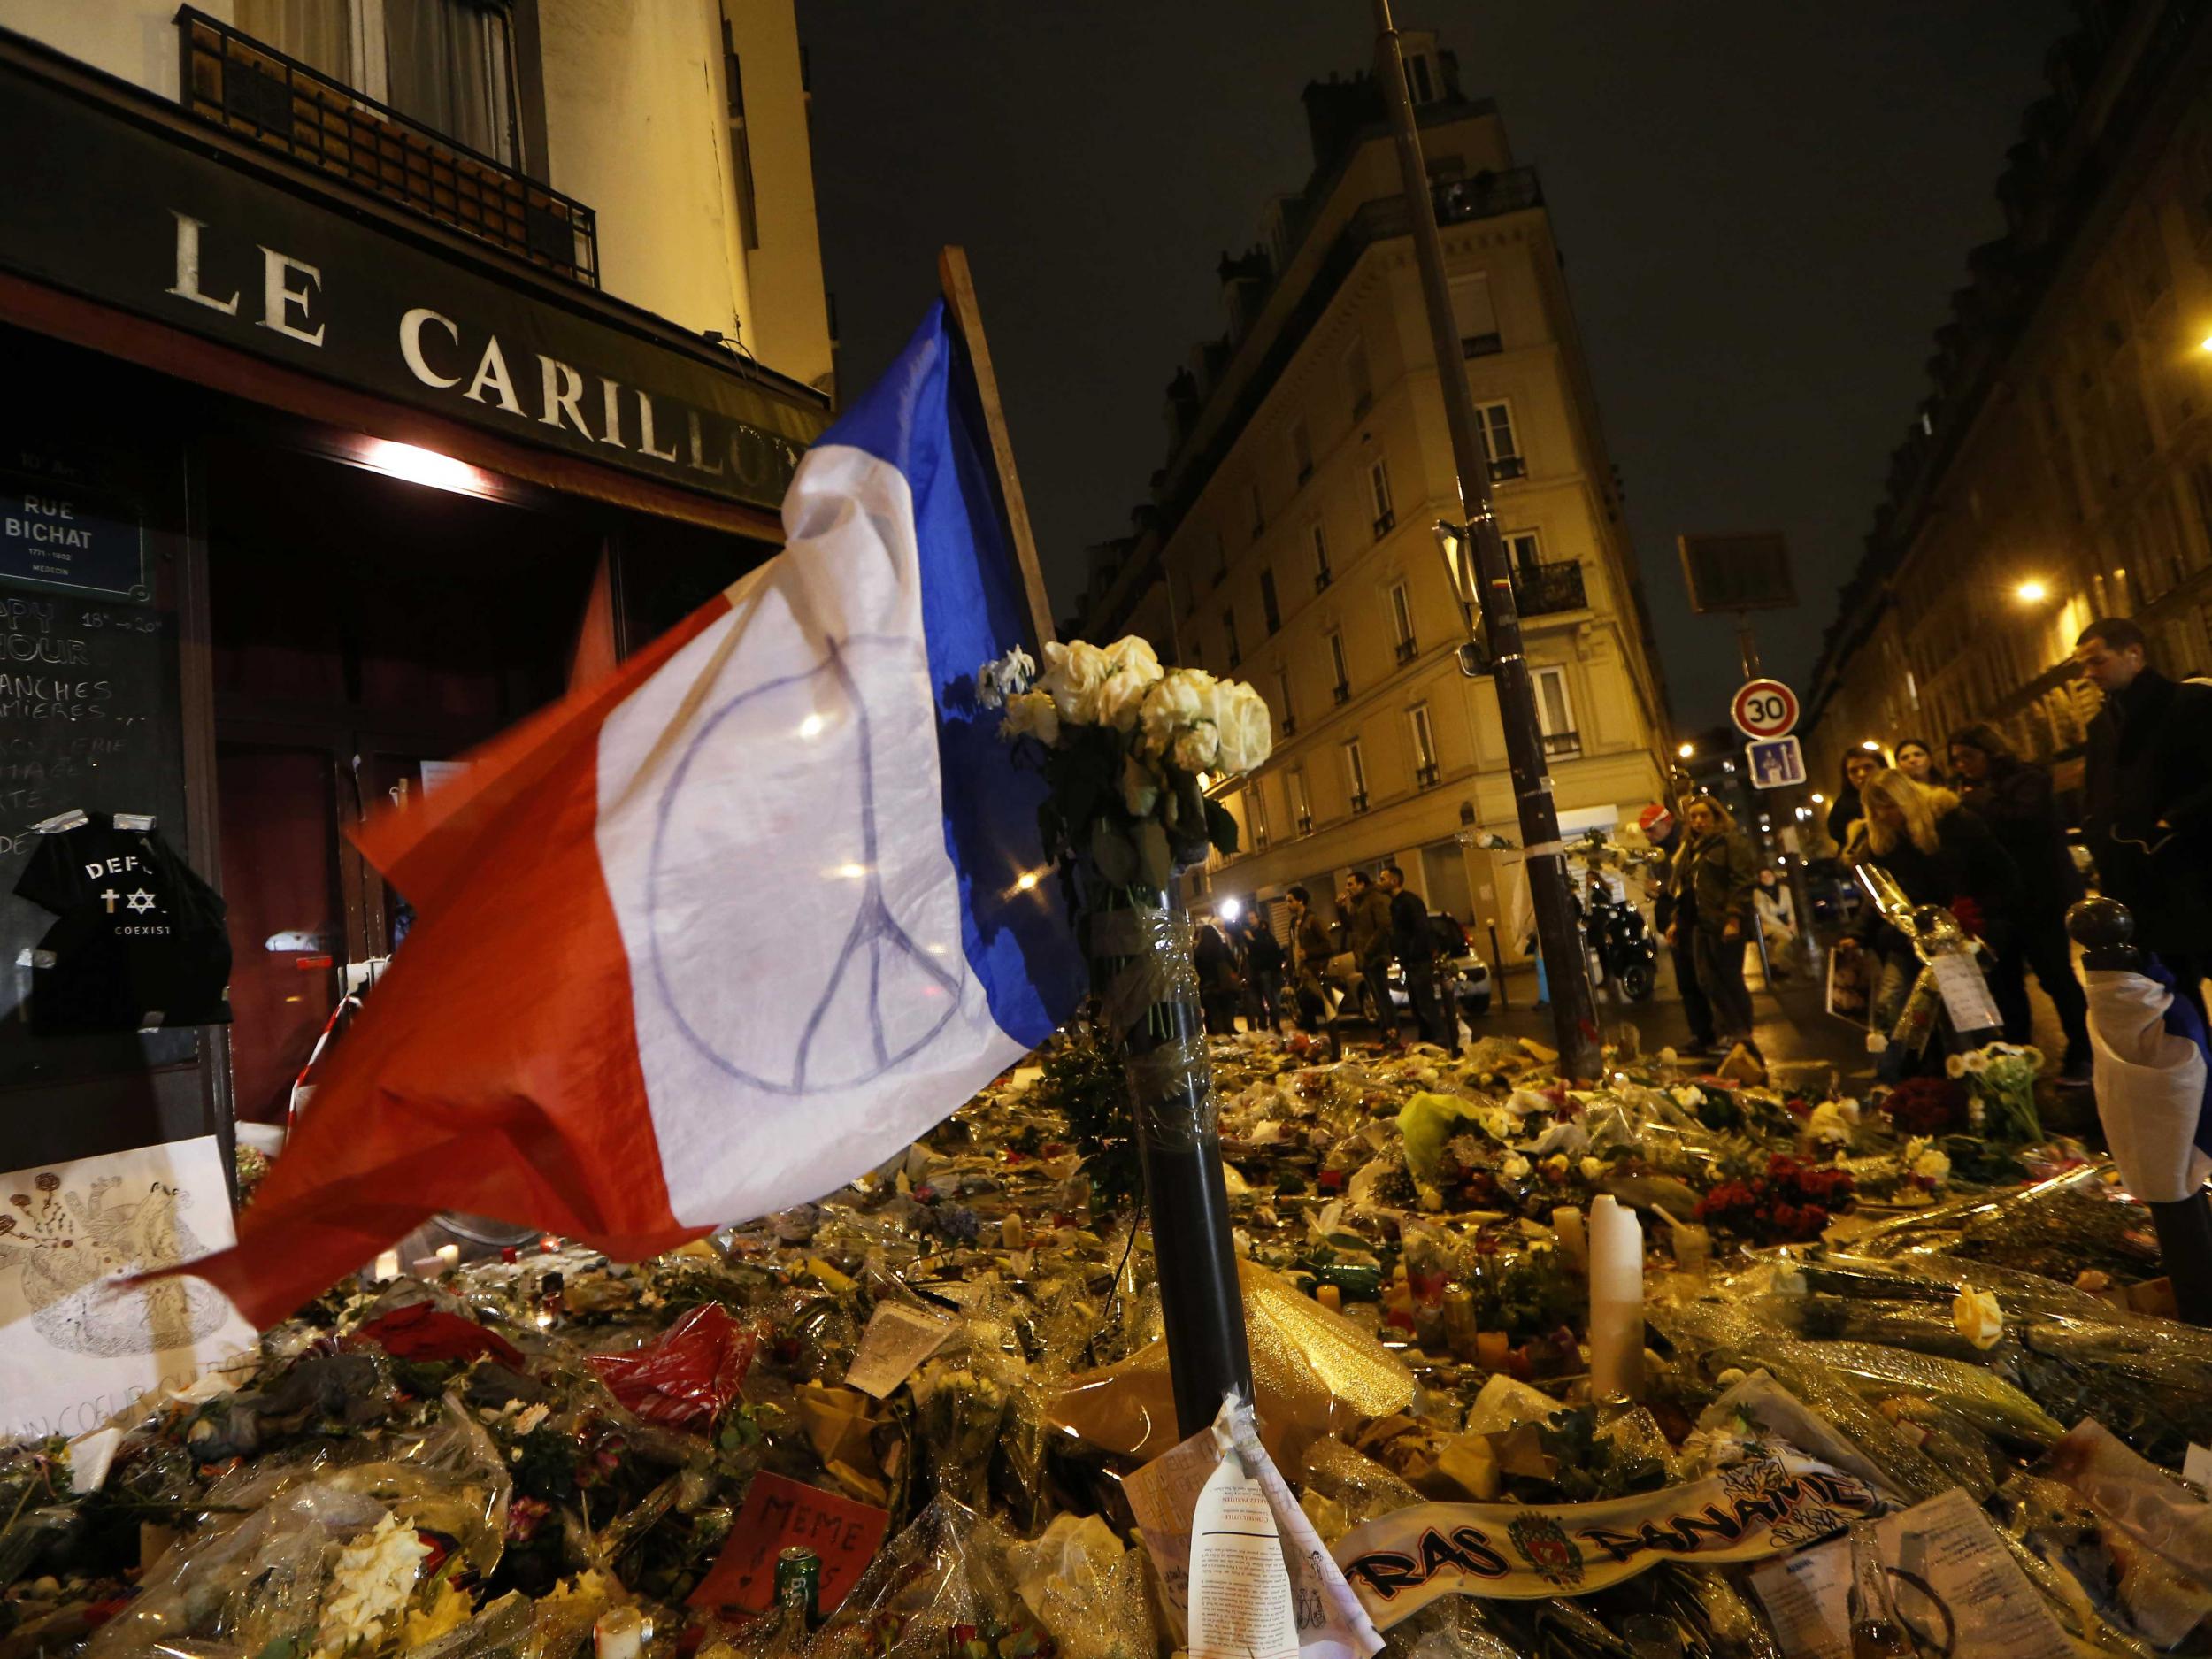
(2147,806)
(1663,831)
(1309,954)
(1416,949)
(1369,939)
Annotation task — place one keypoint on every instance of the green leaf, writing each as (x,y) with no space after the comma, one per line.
(1221,827)
(1116,858)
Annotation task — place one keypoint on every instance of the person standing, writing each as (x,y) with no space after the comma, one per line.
(1918,762)
(1217,983)
(1664,832)
(1845,812)
(1938,852)
(1415,945)
(1309,954)
(2147,798)
(1263,973)
(1370,939)
(1715,871)
(2013,799)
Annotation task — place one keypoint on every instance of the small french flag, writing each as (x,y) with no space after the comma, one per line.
(720,933)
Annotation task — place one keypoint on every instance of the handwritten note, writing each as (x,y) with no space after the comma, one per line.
(778,1514)
(898,1339)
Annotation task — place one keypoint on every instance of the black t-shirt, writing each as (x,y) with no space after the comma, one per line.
(138,940)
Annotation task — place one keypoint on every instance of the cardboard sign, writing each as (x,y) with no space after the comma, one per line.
(76,1347)
(778,1514)
(1765,1506)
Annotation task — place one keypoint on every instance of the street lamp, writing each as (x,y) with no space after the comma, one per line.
(1872,745)
(1820,799)
(2031,592)
(1456,547)
(1686,751)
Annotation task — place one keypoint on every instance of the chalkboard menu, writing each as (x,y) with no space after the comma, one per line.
(88,704)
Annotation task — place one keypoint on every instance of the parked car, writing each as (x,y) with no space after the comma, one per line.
(1459,970)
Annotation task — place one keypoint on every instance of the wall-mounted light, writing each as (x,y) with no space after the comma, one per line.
(418,466)
(2031,592)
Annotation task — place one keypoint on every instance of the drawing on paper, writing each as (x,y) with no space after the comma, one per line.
(68,1245)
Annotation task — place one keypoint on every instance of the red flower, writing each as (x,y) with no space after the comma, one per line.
(1970,915)
(1926,1106)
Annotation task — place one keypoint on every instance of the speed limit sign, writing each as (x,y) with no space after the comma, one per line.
(1764,708)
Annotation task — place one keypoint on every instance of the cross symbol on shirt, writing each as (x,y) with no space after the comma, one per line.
(110,896)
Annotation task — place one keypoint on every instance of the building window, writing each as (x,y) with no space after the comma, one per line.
(1555,714)
(1289,723)
(1355,774)
(1336,662)
(1301,453)
(1259,514)
(1320,557)
(1424,767)
(1523,552)
(1270,607)
(1420,79)
(1401,622)
(1301,807)
(1496,421)
(1475,317)
(1229,633)
(1359,382)
(1255,814)
(1379,496)
(1221,557)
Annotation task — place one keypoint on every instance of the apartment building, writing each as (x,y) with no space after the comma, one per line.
(1289,540)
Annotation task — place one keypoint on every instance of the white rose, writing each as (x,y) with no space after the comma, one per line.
(1247,733)
(1592,1169)
(1070,672)
(1197,748)
(1829,1126)
(1932,1166)
(1116,702)
(1515,1168)
(1134,657)
(1031,713)
(1500,1125)
(1139,788)
(1688,1096)
(1174,702)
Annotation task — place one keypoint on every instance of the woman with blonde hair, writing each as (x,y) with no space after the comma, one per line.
(1715,875)
(1939,852)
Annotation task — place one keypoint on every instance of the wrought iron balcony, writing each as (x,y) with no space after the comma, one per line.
(1359,801)
(1561,745)
(1507,467)
(1407,649)
(1305,823)
(1480,345)
(1343,691)
(1384,522)
(1542,589)
(1425,776)
(1321,579)
(234,82)
(1289,727)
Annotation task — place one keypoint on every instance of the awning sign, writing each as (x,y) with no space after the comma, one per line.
(1772,1502)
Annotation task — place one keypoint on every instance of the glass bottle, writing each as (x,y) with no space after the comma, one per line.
(1877,1631)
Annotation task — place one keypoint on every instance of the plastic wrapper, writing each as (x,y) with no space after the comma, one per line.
(2163,1514)
(687,1376)
(1315,1373)
(940,1582)
(1087,1588)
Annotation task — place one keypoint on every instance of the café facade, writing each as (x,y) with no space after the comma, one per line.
(314,473)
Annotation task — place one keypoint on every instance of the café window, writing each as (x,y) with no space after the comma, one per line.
(448,63)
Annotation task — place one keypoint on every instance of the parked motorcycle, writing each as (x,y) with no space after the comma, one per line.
(1624,947)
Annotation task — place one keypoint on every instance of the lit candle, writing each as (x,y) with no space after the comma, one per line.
(619,1633)
(1566,1221)
(1617,1300)
(448,1257)
(1330,1297)
(388,1266)
(1491,1349)
(1012,1235)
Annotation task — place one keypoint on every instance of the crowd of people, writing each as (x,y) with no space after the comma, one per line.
(1979,830)
(1245,969)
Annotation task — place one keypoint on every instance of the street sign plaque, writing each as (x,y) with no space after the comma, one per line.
(1777,764)
(1737,573)
(1764,709)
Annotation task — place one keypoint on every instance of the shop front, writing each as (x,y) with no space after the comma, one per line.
(302,496)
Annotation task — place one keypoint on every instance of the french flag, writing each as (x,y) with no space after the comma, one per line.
(726,929)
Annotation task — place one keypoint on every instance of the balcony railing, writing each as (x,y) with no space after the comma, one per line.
(1359,801)
(1486,196)
(1507,467)
(1343,693)
(1480,345)
(1305,823)
(234,82)
(1321,579)
(1289,727)
(1384,522)
(1542,589)
(1561,745)
(1425,776)
(1407,650)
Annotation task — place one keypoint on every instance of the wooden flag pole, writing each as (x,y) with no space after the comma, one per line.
(958,284)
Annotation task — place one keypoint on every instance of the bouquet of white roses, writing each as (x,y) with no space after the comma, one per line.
(1124,745)
(1999,1080)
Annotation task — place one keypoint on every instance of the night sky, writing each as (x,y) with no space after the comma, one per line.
(1764,209)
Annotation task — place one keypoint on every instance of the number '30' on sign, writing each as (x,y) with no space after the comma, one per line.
(1763,709)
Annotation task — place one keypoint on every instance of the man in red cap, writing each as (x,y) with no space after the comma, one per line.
(1662,830)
